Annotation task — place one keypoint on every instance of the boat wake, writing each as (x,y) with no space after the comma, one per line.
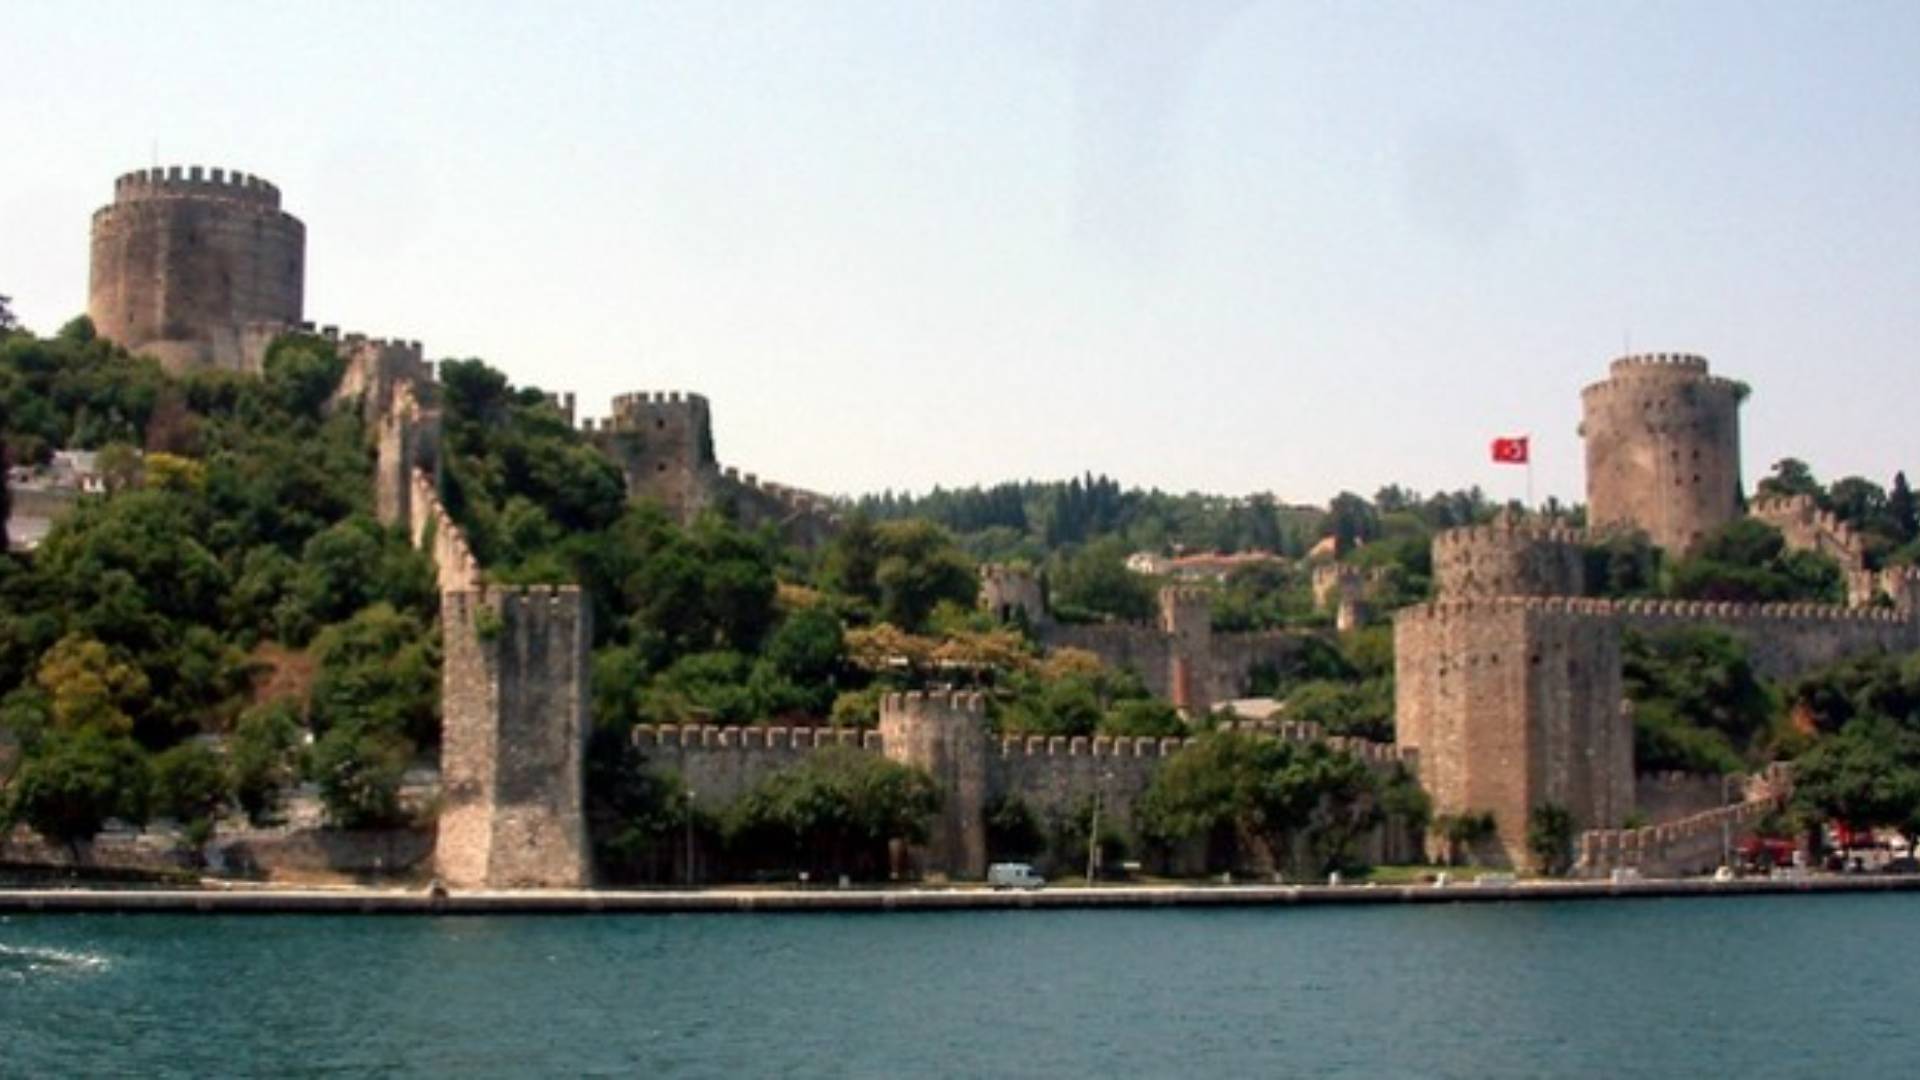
(18,963)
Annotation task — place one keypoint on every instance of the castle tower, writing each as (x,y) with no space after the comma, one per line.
(1509,558)
(1663,448)
(1514,703)
(664,444)
(198,268)
(945,734)
(1186,616)
(1012,592)
(513,739)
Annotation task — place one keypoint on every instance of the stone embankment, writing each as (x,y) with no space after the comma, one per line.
(553,902)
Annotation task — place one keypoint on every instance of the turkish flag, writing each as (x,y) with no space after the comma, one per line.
(1510,451)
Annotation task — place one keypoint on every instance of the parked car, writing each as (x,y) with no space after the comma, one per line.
(1014,875)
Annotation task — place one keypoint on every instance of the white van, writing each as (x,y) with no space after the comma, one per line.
(1014,875)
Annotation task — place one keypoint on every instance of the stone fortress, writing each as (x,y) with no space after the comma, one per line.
(1509,682)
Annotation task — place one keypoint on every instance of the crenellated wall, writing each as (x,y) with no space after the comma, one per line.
(663,442)
(946,734)
(435,530)
(1694,844)
(1509,558)
(1178,657)
(1784,641)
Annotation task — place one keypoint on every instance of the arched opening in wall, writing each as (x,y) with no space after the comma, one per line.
(659,424)
(662,467)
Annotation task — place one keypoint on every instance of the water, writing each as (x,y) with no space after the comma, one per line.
(1754,987)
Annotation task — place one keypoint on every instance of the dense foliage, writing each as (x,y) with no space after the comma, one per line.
(1698,706)
(235,529)
(1248,798)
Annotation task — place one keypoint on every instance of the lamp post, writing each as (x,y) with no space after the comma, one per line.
(691,794)
(1093,830)
(1726,823)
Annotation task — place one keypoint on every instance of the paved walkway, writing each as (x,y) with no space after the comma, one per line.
(265,900)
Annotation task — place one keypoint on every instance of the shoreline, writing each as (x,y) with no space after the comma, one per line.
(351,901)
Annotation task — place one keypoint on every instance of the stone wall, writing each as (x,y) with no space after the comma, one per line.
(1785,641)
(1663,448)
(513,738)
(946,734)
(189,265)
(1517,701)
(720,764)
(1508,558)
(1179,658)
(1695,844)
(1512,703)
(1660,798)
(663,443)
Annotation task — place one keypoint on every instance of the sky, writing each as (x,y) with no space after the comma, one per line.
(1235,247)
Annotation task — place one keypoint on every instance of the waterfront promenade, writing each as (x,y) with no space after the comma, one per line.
(349,901)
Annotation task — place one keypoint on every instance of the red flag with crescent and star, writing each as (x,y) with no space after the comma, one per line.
(1510,451)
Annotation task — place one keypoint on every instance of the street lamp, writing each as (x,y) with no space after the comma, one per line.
(691,795)
(1093,831)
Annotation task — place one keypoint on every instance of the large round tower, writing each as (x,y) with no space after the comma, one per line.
(196,267)
(1663,448)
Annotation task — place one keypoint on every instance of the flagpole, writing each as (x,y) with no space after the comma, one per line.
(1529,504)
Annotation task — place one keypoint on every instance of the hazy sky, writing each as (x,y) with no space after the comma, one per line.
(1236,247)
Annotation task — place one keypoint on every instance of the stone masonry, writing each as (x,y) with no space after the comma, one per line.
(199,268)
(663,443)
(1178,656)
(1056,777)
(946,735)
(1663,448)
(513,739)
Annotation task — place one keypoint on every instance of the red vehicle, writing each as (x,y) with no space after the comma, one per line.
(1766,853)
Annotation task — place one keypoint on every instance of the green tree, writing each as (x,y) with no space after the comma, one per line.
(1698,704)
(919,567)
(263,756)
(635,814)
(358,769)
(189,785)
(1903,512)
(1550,837)
(1094,582)
(833,813)
(1239,793)
(1790,476)
(75,781)
(378,673)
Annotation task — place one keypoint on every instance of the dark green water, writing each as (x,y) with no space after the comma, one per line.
(1822,986)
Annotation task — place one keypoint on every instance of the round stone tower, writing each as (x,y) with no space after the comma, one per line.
(196,267)
(1663,448)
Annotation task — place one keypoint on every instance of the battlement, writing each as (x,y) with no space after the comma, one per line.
(195,182)
(935,702)
(464,604)
(796,500)
(715,737)
(1506,533)
(1657,365)
(1690,844)
(1633,376)
(1677,610)
(454,563)
(394,348)
(629,407)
